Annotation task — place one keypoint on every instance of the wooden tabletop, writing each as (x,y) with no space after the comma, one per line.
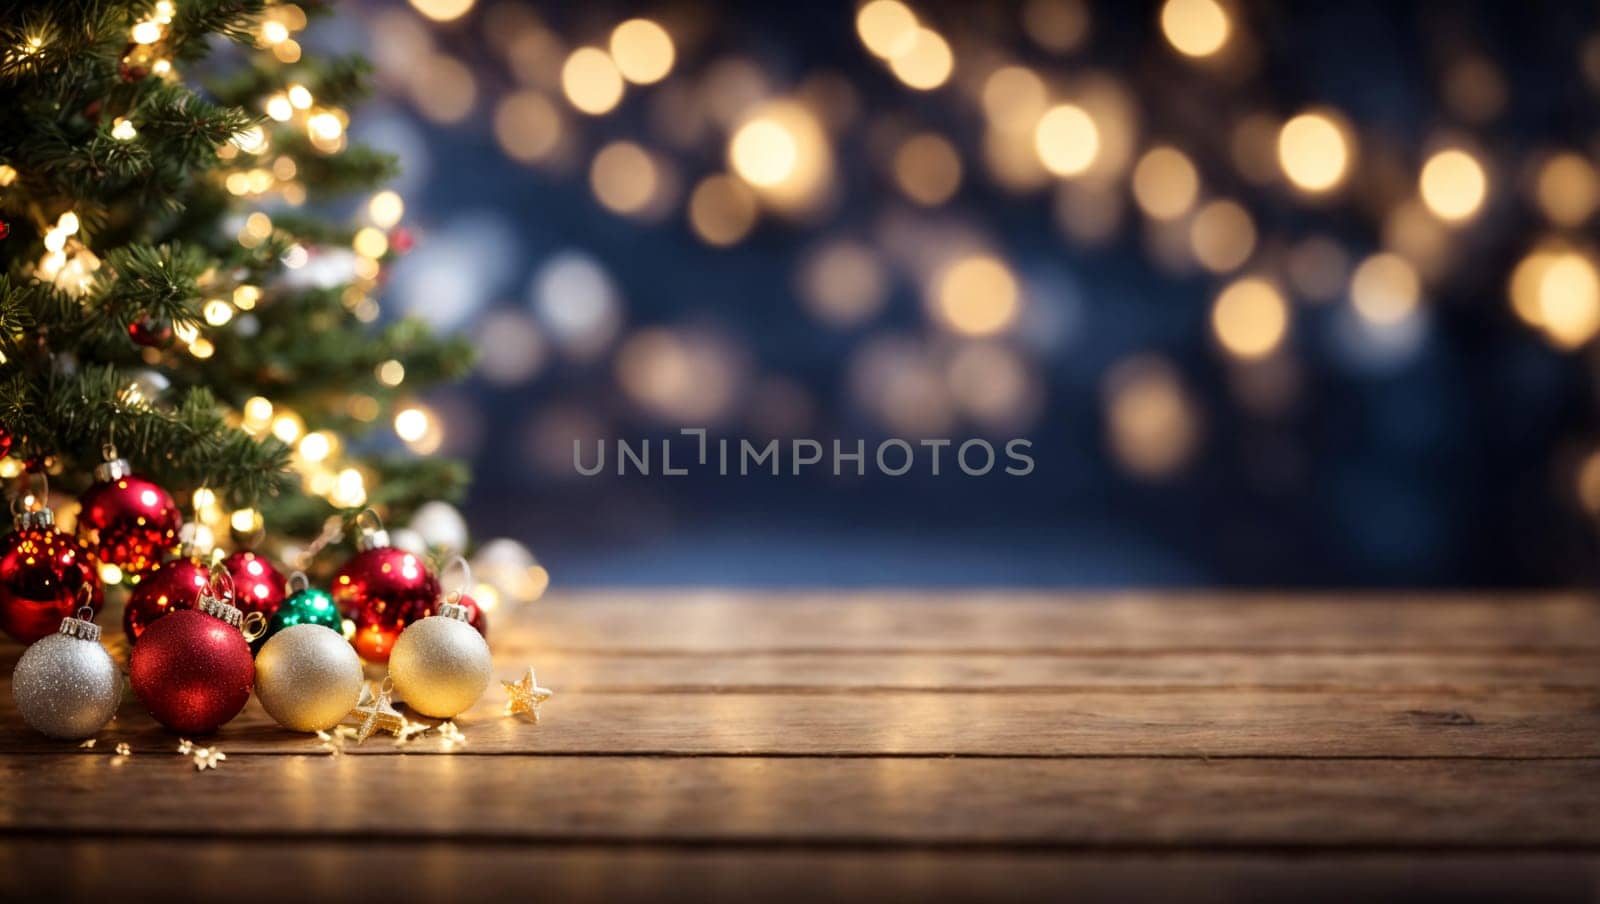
(951,745)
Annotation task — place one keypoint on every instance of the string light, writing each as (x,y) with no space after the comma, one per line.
(888,28)
(926,64)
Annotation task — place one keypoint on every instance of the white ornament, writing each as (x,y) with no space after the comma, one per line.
(441,526)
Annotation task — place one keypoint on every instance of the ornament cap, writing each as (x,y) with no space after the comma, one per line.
(452,609)
(115,469)
(217,599)
(36,518)
(80,626)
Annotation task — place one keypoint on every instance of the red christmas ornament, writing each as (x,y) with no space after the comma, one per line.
(192,669)
(150,332)
(5,435)
(128,520)
(42,573)
(382,589)
(5,229)
(475,614)
(175,584)
(257,586)
(401,240)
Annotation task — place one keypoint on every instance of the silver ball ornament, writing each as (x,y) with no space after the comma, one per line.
(308,677)
(66,685)
(440,665)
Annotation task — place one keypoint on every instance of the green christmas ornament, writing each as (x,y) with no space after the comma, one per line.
(306,605)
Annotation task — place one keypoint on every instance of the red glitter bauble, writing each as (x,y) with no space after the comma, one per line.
(5,229)
(128,520)
(150,333)
(475,614)
(42,574)
(257,586)
(5,435)
(383,589)
(192,671)
(171,586)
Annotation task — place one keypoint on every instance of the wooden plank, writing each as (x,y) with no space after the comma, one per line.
(1312,672)
(799,672)
(1013,621)
(861,803)
(1092,723)
(136,869)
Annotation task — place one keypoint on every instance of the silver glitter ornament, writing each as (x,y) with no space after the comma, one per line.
(440,665)
(308,677)
(66,685)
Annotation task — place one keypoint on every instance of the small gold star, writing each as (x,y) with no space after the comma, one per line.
(207,758)
(124,750)
(333,741)
(87,744)
(409,730)
(185,746)
(450,735)
(375,713)
(525,695)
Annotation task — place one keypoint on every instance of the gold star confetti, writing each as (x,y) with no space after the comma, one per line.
(333,742)
(185,746)
(87,744)
(374,713)
(207,758)
(409,730)
(450,736)
(124,750)
(525,695)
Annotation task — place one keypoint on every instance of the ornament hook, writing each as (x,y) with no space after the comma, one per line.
(221,584)
(298,577)
(254,626)
(108,451)
(86,607)
(457,563)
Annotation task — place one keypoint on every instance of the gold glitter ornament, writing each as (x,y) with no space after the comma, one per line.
(66,685)
(440,665)
(308,678)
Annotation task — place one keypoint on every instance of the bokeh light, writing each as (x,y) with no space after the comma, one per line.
(1195,28)
(1568,190)
(591,81)
(977,295)
(926,64)
(927,169)
(1250,318)
(1385,289)
(843,283)
(1314,151)
(527,126)
(1066,140)
(624,177)
(442,10)
(722,210)
(642,51)
(1165,183)
(1222,236)
(1151,423)
(1569,299)
(1453,184)
(887,27)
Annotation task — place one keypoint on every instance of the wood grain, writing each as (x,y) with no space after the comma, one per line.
(1165,723)
(854,803)
(251,871)
(953,745)
(1021,621)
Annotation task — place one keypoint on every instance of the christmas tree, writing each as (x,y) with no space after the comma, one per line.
(189,251)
